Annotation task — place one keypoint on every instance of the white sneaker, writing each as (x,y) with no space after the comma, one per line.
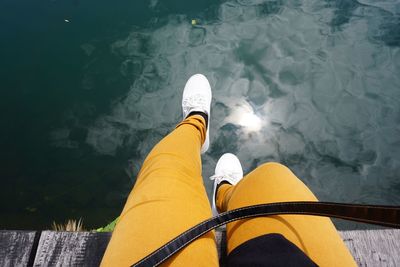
(228,169)
(197,97)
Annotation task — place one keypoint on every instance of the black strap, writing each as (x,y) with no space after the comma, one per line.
(380,215)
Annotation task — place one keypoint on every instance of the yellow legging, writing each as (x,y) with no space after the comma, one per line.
(169,197)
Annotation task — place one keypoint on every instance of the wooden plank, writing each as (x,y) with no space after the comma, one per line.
(71,248)
(16,247)
(374,247)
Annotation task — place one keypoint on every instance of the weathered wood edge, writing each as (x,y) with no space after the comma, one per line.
(16,247)
(71,248)
(374,247)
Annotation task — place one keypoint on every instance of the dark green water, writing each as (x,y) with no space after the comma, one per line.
(312,84)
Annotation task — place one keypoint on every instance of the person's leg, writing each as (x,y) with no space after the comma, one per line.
(168,198)
(272,182)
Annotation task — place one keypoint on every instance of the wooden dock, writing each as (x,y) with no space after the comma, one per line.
(49,248)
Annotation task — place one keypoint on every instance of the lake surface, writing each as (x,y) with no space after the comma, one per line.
(89,87)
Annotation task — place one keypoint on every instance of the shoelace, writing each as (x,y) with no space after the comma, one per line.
(194,101)
(230,177)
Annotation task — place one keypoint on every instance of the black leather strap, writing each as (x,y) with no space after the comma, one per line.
(380,215)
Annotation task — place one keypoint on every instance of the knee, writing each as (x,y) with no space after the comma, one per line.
(272,167)
(272,171)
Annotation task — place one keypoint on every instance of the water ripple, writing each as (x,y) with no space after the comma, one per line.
(322,77)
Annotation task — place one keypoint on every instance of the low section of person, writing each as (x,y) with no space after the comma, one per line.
(169,197)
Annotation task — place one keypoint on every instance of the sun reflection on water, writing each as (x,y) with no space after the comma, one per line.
(250,121)
(244,115)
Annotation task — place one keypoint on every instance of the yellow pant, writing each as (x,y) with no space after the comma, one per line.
(169,197)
